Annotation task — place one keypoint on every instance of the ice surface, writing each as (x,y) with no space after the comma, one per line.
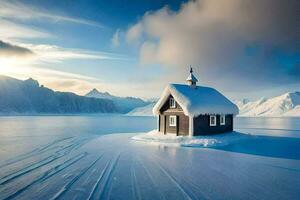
(76,158)
(196,101)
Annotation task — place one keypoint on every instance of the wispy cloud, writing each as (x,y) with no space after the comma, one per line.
(20,11)
(25,54)
(10,30)
(9,50)
(115,40)
(53,53)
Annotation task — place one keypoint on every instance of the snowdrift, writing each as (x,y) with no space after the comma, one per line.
(154,137)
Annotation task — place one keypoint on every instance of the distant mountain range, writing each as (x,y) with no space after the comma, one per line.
(17,96)
(286,105)
(123,104)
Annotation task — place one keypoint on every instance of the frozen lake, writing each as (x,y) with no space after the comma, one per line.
(93,157)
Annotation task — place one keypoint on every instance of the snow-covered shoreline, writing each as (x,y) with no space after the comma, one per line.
(154,137)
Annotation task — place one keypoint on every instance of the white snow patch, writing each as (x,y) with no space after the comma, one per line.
(295,112)
(155,137)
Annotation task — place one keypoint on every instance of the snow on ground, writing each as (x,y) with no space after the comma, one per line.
(154,137)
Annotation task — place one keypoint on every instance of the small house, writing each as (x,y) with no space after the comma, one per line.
(192,110)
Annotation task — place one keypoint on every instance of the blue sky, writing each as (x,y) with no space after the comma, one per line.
(136,48)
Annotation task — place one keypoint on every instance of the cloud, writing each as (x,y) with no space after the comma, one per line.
(43,54)
(20,11)
(115,40)
(9,50)
(29,59)
(53,53)
(226,41)
(10,30)
(134,33)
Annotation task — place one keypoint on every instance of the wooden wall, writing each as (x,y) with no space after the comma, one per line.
(202,127)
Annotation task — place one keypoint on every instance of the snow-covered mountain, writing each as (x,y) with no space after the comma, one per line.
(284,105)
(17,96)
(123,104)
(142,111)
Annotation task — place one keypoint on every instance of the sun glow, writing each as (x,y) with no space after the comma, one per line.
(13,66)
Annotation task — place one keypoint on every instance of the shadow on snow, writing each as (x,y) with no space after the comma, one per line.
(270,146)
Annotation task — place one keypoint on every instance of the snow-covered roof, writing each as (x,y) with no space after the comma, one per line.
(197,101)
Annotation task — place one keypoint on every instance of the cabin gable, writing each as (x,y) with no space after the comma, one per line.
(182,121)
(167,107)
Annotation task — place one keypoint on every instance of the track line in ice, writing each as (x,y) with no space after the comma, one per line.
(31,153)
(49,173)
(156,187)
(52,143)
(175,181)
(67,186)
(185,182)
(104,177)
(106,190)
(285,168)
(93,191)
(58,154)
(135,187)
(8,178)
(64,165)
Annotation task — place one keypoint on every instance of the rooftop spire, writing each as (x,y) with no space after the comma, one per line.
(191,79)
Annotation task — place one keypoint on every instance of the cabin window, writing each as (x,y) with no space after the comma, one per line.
(222,119)
(172,103)
(172,120)
(212,120)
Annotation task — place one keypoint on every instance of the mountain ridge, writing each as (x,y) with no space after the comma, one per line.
(17,96)
(124,104)
(283,105)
